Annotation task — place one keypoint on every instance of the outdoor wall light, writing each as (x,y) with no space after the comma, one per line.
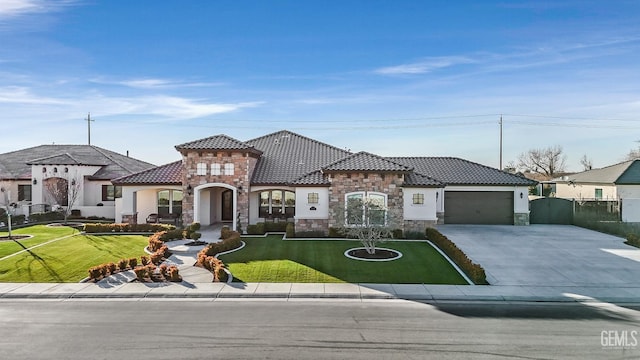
(35,181)
(73,182)
(437,195)
(189,189)
(521,195)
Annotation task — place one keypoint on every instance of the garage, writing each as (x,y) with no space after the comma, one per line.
(478,207)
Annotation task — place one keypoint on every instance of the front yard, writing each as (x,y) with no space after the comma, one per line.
(272,259)
(65,260)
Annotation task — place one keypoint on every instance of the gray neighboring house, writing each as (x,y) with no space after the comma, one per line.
(618,182)
(284,176)
(43,177)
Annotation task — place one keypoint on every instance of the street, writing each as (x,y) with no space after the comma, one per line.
(314,329)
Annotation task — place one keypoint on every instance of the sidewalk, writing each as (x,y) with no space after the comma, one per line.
(290,291)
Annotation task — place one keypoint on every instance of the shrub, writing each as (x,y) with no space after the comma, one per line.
(335,233)
(398,234)
(414,235)
(195,226)
(107,228)
(123,264)
(275,226)
(95,273)
(310,234)
(174,274)
(175,234)
(154,241)
(104,270)
(46,216)
(111,267)
(195,236)
(291,230)
(133,262)
(164,270)
(144,260)
(156,258)
(225,232)
(15,219)
(474,271)
(256,229)
(232,242)
(141,272)
(633,240)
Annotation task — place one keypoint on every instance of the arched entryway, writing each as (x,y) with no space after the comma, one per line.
(215,203)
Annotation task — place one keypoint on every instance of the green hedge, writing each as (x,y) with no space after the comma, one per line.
(15,219)
(104,228)
(230,240)
(47,216)
(474,271)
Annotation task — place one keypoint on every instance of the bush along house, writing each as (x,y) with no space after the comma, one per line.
(287,177)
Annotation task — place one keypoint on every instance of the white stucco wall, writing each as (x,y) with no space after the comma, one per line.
(628,191)
(426,211)
(585,191)
(74,172)
(303,207)
(631,210)
(142,200)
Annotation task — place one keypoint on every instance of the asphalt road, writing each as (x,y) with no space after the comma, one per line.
(314,329)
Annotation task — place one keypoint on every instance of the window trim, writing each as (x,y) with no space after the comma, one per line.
(313,198)
(417,199)
(598,190)
(365,196)
(117,192)
(201,168)
(228,169)
(282,213)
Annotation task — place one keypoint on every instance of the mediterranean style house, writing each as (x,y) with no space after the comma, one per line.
(285,176)
(40,178)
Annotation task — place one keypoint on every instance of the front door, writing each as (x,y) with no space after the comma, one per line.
(227,205)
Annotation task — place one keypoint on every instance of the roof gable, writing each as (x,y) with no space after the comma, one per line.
(367,162)
(631,176)
(606,175)
(217,142)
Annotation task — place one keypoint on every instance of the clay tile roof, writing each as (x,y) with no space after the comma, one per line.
(169,174)
(456,171)
(217,142)
(313,178)
(364,161)
(287,156)
(418,180)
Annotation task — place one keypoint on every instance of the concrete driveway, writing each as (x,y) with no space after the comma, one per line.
(548,255)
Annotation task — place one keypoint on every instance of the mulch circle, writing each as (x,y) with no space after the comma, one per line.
(378,255)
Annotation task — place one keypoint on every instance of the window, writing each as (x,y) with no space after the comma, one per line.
(366,208)
(169,202)
(215,169)
(24,192)
(201,169)
(228,169)
(598,194)
(111,192)
(313,198)
(277,204)
(418,199)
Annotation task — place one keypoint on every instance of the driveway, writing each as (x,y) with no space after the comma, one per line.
(548,255)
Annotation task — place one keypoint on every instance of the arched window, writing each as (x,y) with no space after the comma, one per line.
(277,204)
(368,208)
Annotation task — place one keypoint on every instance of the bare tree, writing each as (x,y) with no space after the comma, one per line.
(587,164)
(633,154)
(63,193)
(548,162)
(5,197)
(366,219)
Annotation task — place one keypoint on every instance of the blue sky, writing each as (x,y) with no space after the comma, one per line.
(412,78)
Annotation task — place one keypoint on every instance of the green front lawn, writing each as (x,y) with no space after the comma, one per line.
(68,260)
(41,234)
(272,259)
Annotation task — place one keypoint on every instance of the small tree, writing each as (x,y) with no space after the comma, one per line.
(5,197)
(366,219)
(587,164)
(63,192)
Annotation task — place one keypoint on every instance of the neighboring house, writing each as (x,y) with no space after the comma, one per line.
(284,176)
(619,182)
(44,177)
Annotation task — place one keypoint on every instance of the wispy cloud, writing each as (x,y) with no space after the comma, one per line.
(154,83)
(11,8)
(424,66)
(22,95)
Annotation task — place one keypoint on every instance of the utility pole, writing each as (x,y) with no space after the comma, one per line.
(500,141)
(88,119)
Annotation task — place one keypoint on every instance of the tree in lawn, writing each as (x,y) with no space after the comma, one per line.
(63,193)
(6,205)
(549,162)
(366,219)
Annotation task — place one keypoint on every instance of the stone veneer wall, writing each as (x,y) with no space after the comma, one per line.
(344,183)
(244,165)
(312,225)
(418,225)
(521,219)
